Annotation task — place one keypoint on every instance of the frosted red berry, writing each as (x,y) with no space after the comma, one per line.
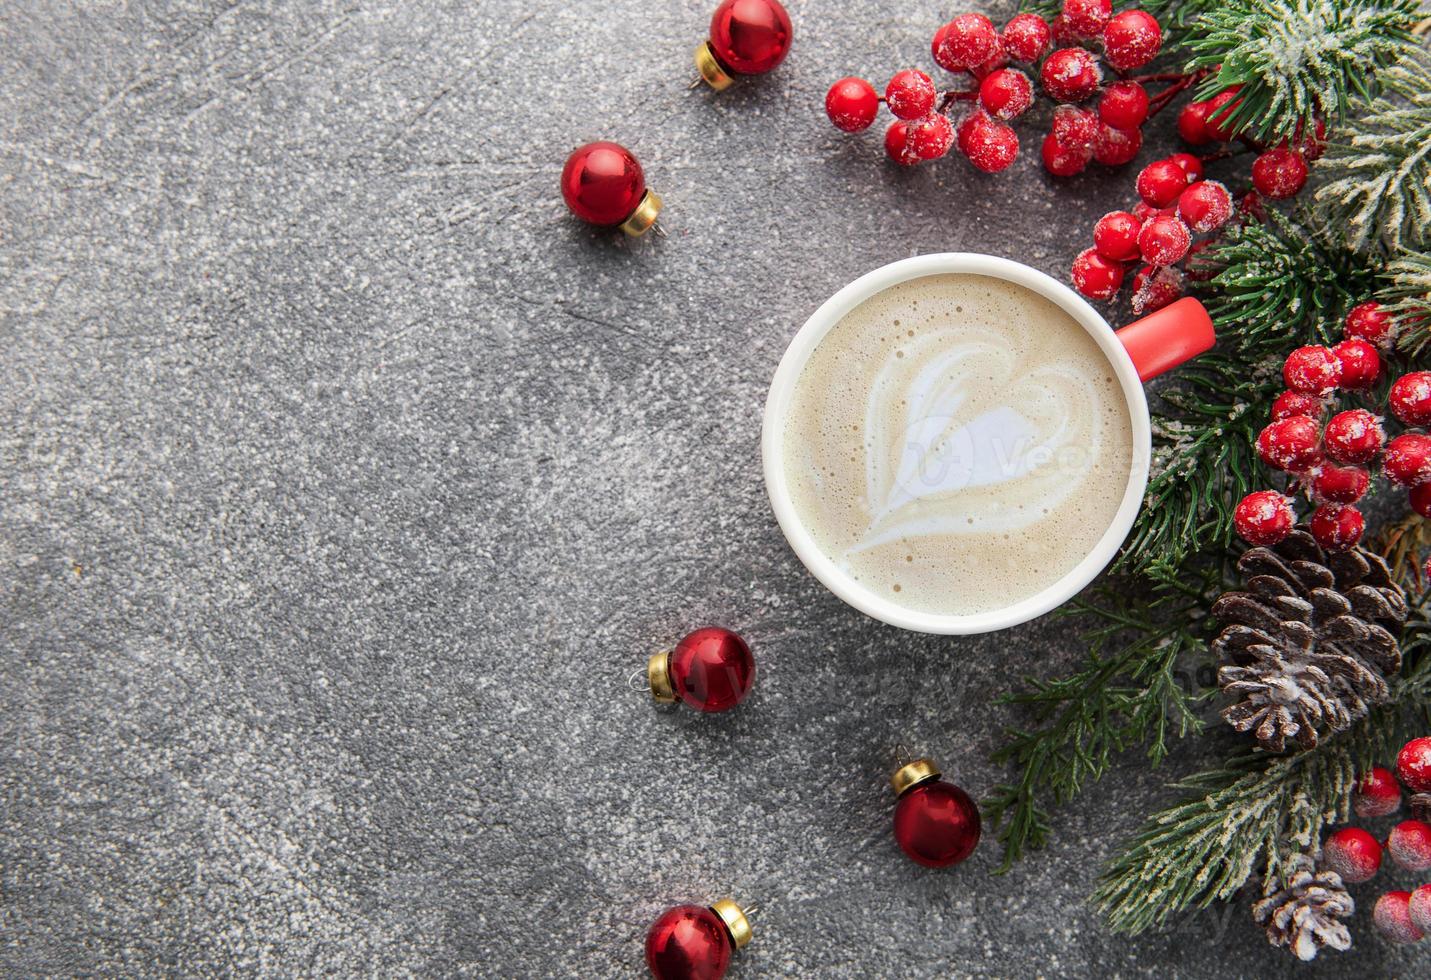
(1313,144)
(897,144)
(969,41)
(1354,436)
(1192,123)
(1164,240)
(1116,236)
(910,94)
(1251,205)
(1420,500)
(1095,276)
(1377,794)
(1087,18)
(1369,322)
(852,104)
(1063,33)
(1070,74)
(1410,398)
(1333,484)
(1407,459)
(1221,107)
(1205,206)
(1291,403)
(1131,40)
(1160,183)
(1413,765)
(1337,527)
(1006,93)
(1154,287)
(931,137)
(1409,845)
(1290,444)
(1392,918)
(1192,166)
(1314,370)
(1062,160)
(1352,853)
(1074,127)
(1419,907)
(990,145)
(1115,147)
(1263,517)
(1026,37)
(1279,173)
(1361,365)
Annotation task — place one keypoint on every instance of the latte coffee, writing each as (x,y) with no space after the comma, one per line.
(957,443)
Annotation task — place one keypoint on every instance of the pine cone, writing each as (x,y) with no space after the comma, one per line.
(1309,646)
(1301,909)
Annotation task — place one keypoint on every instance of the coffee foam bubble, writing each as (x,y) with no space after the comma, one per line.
(957,443)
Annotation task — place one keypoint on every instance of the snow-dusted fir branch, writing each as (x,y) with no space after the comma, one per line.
(1298,59)
(1381,159)
(1408,295)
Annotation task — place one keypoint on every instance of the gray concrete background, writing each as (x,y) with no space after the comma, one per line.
(346,477)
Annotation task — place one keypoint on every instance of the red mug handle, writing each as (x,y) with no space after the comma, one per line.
(1161,341)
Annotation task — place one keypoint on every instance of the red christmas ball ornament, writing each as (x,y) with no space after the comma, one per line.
(1291,403)
(1161,182)
(1131,40)
(1340,484)
(1192,123)
(1361,364)
(1368,321)
(1413,765)
(1419,907)
(748,37)
(711,670)
(1290,444)
(1115,236)
(602,184)
(1154,287)
(852,104)
(1164,239)
(935,822)
(1205,206)
(1377,795)
(695,942)
(1026,37)
(1006,93)
(1313,370)
(967,41)
(1409,845)
(1095,276)
(1392,917)
(1337,527)
(1354,436)
(1352,853)
(1264,517)
(910,94)
(1279,173)
(1407,460)
(1070,74)
(1410,398)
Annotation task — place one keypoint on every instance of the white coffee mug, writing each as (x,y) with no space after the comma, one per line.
(1137,352)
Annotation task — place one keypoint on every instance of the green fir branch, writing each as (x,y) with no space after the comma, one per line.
(1298,59)
(1407,292)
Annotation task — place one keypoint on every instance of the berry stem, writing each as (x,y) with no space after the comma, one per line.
(1227,150)
(1181,82)
(956,95)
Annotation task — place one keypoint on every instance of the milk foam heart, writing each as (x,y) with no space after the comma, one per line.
(957,443)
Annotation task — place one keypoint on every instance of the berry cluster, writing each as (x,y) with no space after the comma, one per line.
(995,93)
(1356,855)
(1332,463)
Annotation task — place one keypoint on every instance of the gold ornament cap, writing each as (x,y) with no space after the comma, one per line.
(735,921)
(713,73)
(658,677)
(911,774)
(640,221)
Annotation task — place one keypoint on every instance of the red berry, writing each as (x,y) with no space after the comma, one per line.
(1339,484)
(1413,765)
(1252,206)
(1354,436)
(1392,917)
(1192,123)
(1410,398)
(1314,144)
(1006,93)
(1290,444)
(1087,18)
(1116,236)
(1369,322)
(1124,105)
(1192,165)
(989,144)
(1026,37)
(1115,147)
(1160,183)
(1420,500)
(1377,794)
(1337,527)
(1352,853)
(981,72)
(1070,74)
(1063,33)
(1061,160)
(1419,907)
(1279,173)
(969,40)
(1096,277)
(1291,403)
(1361,365)
(1314,370)
(896,144)
(1407,460)
(851,104)
(1409,845)
(1220,109)
(1075,128)
(931,137)
(1205,206)
(1263,517)
(1131,40)
(1164,240)
(910,94)
(1154,287)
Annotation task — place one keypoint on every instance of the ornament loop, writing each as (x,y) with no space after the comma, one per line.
(631,681)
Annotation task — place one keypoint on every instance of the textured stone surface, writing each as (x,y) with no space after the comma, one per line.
(344,478)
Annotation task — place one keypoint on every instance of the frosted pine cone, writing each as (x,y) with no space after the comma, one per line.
(1301,909)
